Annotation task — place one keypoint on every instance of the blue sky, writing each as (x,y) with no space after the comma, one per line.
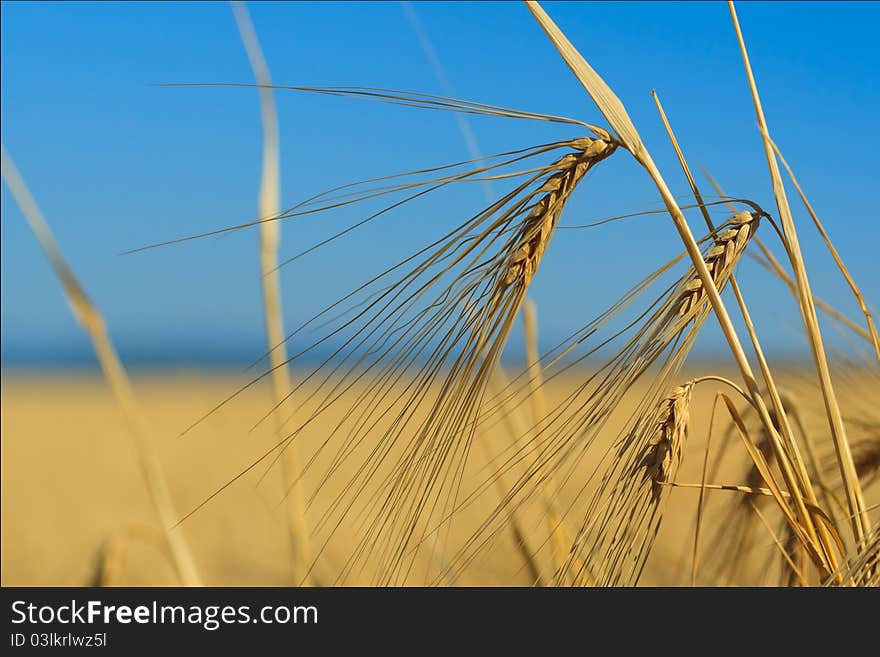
(116,163)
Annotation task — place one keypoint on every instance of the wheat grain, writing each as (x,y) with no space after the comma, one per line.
(720,260)
(542,220)
(664,449)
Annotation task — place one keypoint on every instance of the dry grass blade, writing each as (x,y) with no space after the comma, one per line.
(857,293)
(797,572)
(117,379)
(862,568)
(270,237)
(761,466)
(735,488)
(601,93)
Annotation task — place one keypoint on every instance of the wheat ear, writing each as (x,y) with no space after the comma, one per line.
(665,448)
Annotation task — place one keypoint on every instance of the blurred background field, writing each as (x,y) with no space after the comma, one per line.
(70,483)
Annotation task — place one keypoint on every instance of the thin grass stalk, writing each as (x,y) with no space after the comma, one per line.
(854,288)
(695,560)
(853,489)
(269,205)
(862,567)
(733,488)
(798,572)
(769,262)
(464,126)
(91,320)
(560,538)
(766,474)
(812,454)
(519,428)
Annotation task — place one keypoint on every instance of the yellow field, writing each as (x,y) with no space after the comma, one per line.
(70,484)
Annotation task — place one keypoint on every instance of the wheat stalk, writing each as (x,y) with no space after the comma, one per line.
(854,495)
(777,415)
(89,317)
(854,288)
(560,537)
(270,237)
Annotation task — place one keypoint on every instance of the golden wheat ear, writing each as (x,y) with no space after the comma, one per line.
(472,318)
(659,337)
(446,317)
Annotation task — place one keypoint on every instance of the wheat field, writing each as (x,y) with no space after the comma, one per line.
(395,439)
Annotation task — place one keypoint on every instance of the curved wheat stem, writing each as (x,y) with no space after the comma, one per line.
(89,317)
